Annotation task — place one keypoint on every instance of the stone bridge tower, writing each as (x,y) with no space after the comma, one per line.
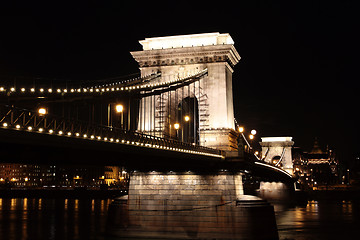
(181,56)
(277,151)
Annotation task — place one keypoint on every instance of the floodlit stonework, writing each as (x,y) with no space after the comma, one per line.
(187,205)
(181,56)
(277,151)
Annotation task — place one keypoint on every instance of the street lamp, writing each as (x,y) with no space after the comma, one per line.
(253,132)
(120,109)
(42,111)
(177,126)
(241,129)
(251,136)
(187,125)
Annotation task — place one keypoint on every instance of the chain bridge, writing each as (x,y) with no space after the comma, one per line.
(181,106)
(172,126)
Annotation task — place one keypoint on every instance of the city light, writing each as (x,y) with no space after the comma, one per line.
(253,132)
(176,126)
(241,129)
(251,136)
(187,118)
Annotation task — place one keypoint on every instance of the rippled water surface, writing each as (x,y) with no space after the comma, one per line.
(24,218)
(320,220)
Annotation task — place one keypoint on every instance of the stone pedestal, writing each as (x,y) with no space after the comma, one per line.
(222,139)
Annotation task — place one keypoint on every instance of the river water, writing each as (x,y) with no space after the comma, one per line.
(45,218)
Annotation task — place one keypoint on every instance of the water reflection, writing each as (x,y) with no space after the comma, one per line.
(30,218)
(319,220)
(53,218)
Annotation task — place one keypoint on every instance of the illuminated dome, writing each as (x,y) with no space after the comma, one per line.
(316,148)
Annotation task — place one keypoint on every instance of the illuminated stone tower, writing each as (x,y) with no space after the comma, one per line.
(277,151)
(180,56)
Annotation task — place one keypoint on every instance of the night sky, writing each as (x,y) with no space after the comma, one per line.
(298,75)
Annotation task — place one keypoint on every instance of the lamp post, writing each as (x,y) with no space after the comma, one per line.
(42,111)
(177,126)
(120,109)
(187,121)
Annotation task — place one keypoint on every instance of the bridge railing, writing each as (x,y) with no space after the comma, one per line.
(25,120)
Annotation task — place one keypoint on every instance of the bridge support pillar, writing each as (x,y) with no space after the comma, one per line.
(188,205)
(275,191)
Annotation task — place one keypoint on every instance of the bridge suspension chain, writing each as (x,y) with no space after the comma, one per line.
(146,83)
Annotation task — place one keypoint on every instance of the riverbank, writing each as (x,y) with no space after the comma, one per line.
(61,193)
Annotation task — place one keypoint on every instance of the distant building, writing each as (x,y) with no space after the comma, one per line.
(316,168)
(38,176)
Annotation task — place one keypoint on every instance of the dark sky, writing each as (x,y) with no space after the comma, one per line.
(297,76)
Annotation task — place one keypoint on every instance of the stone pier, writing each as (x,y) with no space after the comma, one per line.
(188,205)
(275,191)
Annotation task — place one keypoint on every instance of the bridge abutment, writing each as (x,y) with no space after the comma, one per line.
(189,205)
(182,190)
(275,191)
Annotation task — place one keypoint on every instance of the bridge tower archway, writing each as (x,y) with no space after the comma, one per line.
(188,119)
(277,151)
(177,57)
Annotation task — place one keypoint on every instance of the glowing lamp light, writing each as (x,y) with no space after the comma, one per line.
(253,132)
(119,108)
(187,118)
(42,111)
(241,129)
(251,136)
(176,126)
